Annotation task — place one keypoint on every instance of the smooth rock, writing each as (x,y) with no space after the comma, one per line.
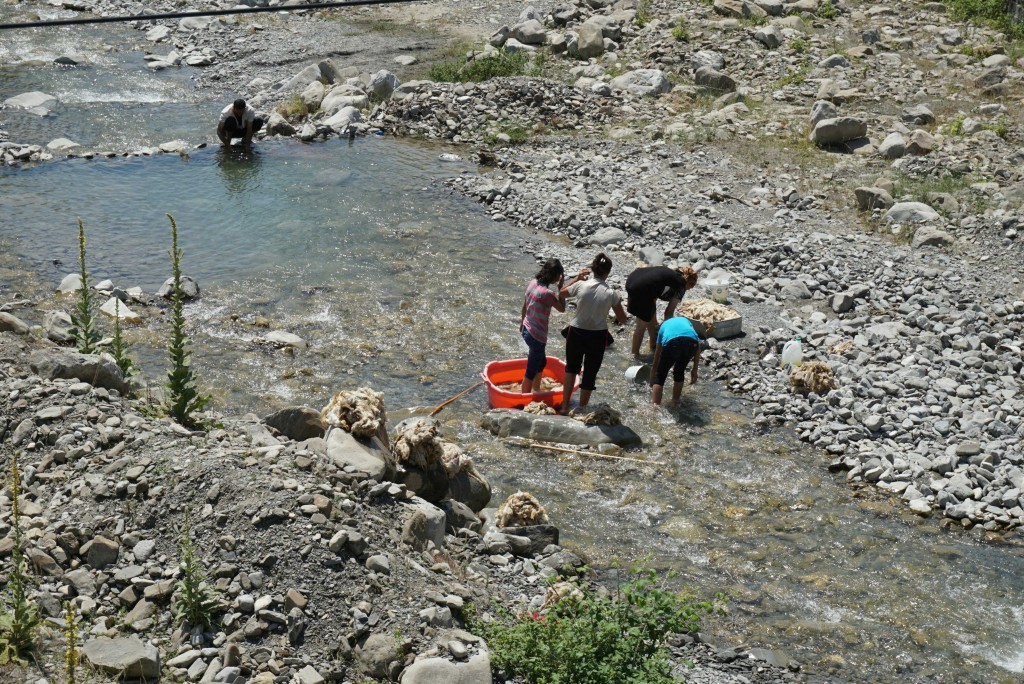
(297,422)
(12,324)
(475,670)
(513,423)
(368,456)
(98,371)
(127,658)
(911,212)
(189,288)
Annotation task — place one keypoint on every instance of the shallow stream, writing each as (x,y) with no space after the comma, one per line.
(361,251)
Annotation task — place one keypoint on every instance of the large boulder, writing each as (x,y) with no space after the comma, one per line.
(342,96)
(278,125)
(608,235)
(530,32)
(98,371)
(429,483)
(344,117)
(821,110)
(929,236)
(513,423)
(299,81)
(124,658)
(911,212)
(708,58)
(712,79)
(374,655)
(643,82)
(382,84)
(738,9)
(590,41)
(870,197)
(297,422)
(31,100)
(894,146)
(13,324)
(475,670)
(471,488)
(365,455)
(313,95)
(770,36)
(839,130)
(423,524)
(189,288)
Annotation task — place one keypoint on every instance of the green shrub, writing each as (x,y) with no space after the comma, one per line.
(293,108)
(643,14)
(613,639)
(799,45)
(680,31)
(83,318)
(993,13)
(827,10)
(195,603)
(492,66)
(516,134)
(183,399)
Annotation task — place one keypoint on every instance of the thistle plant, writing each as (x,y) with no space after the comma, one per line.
(195,603)
(19,618)
(183,399)
(119,346)
(70,642)
(83,318)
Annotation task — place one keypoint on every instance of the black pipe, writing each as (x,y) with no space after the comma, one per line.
(202,13)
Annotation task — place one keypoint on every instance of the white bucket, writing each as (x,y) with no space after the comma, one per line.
(639,374)
(719,291)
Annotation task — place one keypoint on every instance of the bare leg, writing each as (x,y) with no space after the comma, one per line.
(527,384)
(656,394)
(638,335)
(568,385)
(584,397)
(677,390)
(653,328)
(536,382)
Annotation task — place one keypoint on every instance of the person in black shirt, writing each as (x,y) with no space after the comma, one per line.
(644,287)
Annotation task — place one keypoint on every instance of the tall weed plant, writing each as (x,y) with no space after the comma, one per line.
(195,603)
(617,638)
(482,69)
(183,399)
(83,318)
(19,617)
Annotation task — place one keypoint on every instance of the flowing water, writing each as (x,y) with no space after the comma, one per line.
(360,250)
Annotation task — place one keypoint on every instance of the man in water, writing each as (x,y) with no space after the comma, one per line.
(238,120)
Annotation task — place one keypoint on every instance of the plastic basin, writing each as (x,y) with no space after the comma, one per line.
(503,372)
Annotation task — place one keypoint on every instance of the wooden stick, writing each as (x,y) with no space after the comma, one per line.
(535,445)
(444,403)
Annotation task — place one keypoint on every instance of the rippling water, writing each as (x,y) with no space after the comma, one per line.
(358,249)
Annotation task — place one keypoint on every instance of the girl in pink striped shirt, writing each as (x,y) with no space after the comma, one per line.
(533,321)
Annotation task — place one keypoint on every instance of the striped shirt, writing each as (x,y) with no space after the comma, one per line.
(539,300)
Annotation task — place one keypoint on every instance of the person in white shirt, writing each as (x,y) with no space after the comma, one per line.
(238,120)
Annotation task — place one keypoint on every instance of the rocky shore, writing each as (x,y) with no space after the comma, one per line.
(855,167)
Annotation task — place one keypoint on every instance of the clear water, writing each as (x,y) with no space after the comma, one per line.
(397,284)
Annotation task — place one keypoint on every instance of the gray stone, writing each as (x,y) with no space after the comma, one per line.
(821,110)
(870,198)
(838,130)
(911,212)
(12,324)
(642,82)
(343,95)
(608,235)
(841,302)
(919,115)
(278,125)
(297,422)
(929,236)
(834,61)
(143,550)
(893,147)
(921,142)
(61,145)
(71,283)
(379,564)
(343,118)
(770,36)
(368,456)
(299,81)
(590,42)
(562,429)
(475,670)
(540,536)
(283,338)
(125,658)
(189,288)
(652,256)
(530,32)
(82,580)
(31,100)
(309,675)
(709,78)
(424,523)
(375,653)
(382,84)
(460,516)
(708,58)
(96,370)
(101,552)
(470,488)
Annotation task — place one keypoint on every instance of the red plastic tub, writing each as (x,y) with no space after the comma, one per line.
(502,372)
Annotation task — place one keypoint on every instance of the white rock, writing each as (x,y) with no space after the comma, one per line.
(911,212)
(285,339)
(31,100)
(115,307)
(61,144)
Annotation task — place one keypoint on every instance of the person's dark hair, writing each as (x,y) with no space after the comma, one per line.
(601,266)
(239,104)
(550,271)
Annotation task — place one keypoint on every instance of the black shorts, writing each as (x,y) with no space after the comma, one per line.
(642,307)
(232,130)
(677,353)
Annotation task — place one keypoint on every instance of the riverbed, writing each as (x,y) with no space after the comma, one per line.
(359,249)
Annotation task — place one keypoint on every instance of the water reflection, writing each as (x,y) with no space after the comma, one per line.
(239,168)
